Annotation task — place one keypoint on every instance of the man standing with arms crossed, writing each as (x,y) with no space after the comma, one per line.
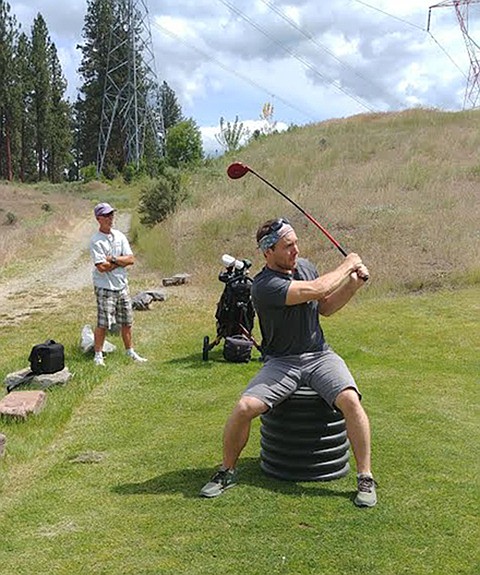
(288,295)
(111,255)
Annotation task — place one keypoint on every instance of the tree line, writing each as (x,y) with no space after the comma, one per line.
(43,136)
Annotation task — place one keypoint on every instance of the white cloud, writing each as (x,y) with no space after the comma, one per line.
(351,57)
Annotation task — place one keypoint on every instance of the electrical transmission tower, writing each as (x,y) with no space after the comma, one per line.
(131,97)
(472,91)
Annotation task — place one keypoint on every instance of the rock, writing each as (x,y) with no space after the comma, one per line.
(17,378)
(157,295)
(42,381)
(20,404)
(45,380)
(176,280)
(142,301)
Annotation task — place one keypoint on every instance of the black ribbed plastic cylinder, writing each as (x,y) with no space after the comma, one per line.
(304,439)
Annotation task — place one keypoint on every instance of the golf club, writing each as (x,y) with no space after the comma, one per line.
(237,170)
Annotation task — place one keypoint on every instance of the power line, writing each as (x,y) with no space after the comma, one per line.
(312,39)
(472,92)
(448,55)
(427,30)
(220,64)
(302,60)
(390,15)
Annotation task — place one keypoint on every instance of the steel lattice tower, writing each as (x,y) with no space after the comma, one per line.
(131,95)
(472,91)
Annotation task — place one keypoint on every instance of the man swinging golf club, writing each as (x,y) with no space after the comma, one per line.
(288,295)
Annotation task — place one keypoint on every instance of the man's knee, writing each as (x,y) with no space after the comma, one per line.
(348,401)
(249,407)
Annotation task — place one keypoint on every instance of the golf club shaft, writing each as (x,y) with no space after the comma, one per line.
(305,213)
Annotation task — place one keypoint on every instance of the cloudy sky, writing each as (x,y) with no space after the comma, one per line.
(312,59)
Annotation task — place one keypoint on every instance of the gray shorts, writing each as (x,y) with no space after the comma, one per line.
(113,307)
(323,371)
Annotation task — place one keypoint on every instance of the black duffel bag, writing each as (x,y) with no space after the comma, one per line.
(237,349)
(47,357)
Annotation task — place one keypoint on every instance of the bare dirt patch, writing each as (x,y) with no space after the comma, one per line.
(48,281)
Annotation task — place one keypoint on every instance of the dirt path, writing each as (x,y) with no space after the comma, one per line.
(53,280)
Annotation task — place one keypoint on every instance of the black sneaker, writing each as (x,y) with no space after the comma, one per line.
(366,494)
(222,480)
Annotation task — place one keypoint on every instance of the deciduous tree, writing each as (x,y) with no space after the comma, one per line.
(184,144)
(232,135)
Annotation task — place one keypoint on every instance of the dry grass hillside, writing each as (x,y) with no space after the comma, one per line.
(32,218)
(402,190)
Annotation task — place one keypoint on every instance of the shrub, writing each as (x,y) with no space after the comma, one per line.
(89,173)
(160,198)
(10,218)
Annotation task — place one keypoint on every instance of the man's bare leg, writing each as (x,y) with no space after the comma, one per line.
(358,431)
(235,437)
(237,428)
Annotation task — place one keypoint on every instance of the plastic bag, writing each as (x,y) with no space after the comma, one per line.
(87,341)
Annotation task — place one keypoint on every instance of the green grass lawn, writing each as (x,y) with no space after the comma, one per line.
(105,479)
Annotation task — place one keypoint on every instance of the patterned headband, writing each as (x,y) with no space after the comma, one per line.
(273,237)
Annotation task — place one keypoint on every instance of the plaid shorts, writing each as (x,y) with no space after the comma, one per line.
(113,307)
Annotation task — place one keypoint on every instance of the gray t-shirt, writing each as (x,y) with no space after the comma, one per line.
(286,330)
(113,244)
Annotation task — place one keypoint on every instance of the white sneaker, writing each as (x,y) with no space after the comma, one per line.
(134,355)
(98,360)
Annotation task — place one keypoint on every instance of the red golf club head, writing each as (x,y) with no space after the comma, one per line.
(237,170)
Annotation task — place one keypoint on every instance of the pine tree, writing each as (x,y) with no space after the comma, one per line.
(103,110)
(41,91)
(26,155)
(93,68)
(172,111)
(60,121)
(8,37)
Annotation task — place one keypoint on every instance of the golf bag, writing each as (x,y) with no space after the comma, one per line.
(235,314)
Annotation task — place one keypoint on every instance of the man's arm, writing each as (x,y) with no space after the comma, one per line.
(336,300)
(326,285)
(121,261)
(115,262)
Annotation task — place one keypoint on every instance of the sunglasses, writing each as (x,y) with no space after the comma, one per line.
(276,225)
(110,215)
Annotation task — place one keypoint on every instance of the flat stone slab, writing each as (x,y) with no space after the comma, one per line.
(21,404)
